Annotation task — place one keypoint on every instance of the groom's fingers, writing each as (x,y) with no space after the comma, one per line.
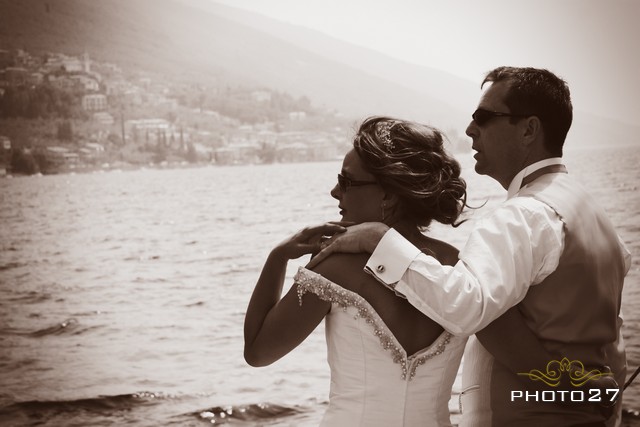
(342,223)
(326,229)
(328,247)
(331,228)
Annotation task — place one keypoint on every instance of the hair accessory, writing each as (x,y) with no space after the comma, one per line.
(383,132)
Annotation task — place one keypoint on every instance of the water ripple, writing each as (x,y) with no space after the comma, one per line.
(253,412)
(67,326)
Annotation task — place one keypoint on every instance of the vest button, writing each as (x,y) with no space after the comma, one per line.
(380,269)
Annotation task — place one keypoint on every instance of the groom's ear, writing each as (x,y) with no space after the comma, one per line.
(531,130)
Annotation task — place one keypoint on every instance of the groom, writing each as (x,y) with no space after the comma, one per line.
(548,248)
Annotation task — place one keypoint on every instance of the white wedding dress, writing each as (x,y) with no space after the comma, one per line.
(373,380)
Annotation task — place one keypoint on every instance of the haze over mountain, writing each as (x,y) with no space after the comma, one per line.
(217,45)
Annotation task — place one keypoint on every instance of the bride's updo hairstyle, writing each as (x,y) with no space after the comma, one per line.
(409,160)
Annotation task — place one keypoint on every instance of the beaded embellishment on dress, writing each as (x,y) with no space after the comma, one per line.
(326,290)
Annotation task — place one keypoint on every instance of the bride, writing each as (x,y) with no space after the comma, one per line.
(390,364)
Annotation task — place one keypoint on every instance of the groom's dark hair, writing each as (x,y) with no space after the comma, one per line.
(538,92)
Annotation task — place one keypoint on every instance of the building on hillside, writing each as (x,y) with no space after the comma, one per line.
(91,152)
(151,130)
(295,152)
(94,102)
(103,118)
(5,143)
(35,79)
(159,100)
(5,58)
(64,82)
(266,137)
(239,153)
(94,146)
(86,63)
(108,67)
(60,156)
(86,84)
(297,116)
(15,76)
(147,124)
(211,113)
(5,151)
(22,58)
(5,154)
(321,152)
(65,63)
(261,96)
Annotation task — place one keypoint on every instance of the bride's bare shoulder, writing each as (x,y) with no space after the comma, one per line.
(343,268)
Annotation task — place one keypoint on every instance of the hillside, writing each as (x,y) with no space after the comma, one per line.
(168,37)
(218,46)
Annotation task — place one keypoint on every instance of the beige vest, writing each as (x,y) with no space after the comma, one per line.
(575,310)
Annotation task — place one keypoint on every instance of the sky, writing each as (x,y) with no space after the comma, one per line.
(590,43)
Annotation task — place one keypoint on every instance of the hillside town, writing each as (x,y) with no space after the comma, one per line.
(63,113)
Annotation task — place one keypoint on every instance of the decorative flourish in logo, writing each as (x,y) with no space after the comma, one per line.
(578,375)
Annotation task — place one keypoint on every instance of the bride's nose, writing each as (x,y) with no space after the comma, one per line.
(335,192)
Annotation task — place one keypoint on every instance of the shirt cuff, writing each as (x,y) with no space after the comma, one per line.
(391,258)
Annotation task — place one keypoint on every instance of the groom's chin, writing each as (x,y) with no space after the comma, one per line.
(479,167)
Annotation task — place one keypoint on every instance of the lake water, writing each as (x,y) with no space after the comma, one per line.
(122,294)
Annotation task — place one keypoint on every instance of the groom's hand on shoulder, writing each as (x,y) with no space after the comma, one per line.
(359,238)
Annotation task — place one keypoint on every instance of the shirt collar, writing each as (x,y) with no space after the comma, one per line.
(516,183)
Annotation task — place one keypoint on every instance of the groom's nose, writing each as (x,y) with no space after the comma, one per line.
(472,129)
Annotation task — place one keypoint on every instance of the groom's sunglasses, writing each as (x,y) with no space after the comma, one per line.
(344,183)
(482,116)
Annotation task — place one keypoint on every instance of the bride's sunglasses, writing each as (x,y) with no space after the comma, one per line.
(344,183)
(482,116)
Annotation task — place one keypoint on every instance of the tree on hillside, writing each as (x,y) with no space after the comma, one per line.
(65,131)
(22,162)
(191,155)
(42,101)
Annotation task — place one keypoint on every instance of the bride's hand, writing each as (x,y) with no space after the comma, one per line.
(308,240)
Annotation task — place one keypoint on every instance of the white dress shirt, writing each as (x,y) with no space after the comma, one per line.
(516,246)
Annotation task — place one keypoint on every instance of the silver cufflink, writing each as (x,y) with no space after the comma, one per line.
(380,269)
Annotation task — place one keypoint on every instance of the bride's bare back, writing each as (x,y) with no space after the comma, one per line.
(413,330)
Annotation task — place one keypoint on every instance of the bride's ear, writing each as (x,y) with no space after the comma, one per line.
(391,199)
(389,208)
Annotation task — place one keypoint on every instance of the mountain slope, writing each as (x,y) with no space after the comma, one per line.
(445,87)
(216,46)
(167,37)
(447,90)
